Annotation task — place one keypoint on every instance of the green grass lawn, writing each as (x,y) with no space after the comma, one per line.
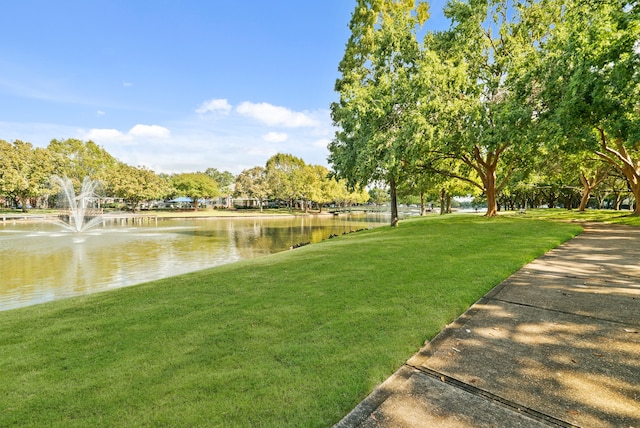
(603,216)
(292,339)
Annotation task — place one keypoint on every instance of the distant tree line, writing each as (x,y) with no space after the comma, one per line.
(26,179)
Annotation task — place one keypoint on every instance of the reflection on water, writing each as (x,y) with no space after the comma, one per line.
(39,262)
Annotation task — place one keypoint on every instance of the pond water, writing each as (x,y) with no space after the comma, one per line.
(40,262)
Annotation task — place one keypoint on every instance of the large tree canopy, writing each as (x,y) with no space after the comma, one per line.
(485,120)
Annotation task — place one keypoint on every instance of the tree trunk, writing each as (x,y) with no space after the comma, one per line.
(586,192)
(490,191)
(486,167)
(635,188)
(621,159)
(618,201)
(584,200)
(633,180)
(443,207)
(423,208)
(588,185)
(394,203)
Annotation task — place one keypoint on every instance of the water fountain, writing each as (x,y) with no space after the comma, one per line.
(79,217)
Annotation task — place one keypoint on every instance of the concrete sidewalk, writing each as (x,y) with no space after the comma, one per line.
(556,344)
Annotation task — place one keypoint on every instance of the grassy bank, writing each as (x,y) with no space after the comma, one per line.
(292,339)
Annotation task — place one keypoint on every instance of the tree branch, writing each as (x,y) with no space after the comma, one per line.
(622,157)
(505,180)
(477,167)
(451,174)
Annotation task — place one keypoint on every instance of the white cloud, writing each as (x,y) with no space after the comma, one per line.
(275,115)
(221,105)
(100,113)
(127,84)
(98,135)
(149,131)
(275,137)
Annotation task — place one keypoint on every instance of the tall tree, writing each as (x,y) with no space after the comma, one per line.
(590,82)
(377,94)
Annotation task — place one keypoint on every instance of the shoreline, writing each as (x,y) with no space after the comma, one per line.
(7,217)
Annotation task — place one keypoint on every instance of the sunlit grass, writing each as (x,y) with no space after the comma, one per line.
(603,216)
(292,339)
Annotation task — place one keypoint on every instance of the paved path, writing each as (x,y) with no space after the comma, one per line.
(556,344)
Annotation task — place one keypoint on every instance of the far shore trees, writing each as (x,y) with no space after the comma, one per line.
(321,186)
(225,182)
(195,186)
(252,183)
(288,178)
(137,184)
(283,179)
(24,171)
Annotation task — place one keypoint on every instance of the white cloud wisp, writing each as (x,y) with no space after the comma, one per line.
(276,116)
(275,137)
(138,131)
(215,105)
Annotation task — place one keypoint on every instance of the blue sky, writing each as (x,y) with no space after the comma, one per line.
(176,86)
